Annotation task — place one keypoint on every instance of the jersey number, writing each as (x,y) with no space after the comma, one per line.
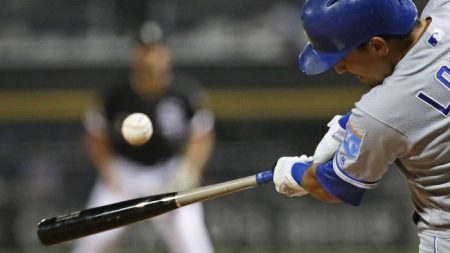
(443,77)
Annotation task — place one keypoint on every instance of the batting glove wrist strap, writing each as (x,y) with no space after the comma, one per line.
(298,170)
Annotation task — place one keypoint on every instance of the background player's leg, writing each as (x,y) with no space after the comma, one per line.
(99,243)
(103,242)
(184,230)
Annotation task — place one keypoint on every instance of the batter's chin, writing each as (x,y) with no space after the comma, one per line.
(370,83)
(374,83)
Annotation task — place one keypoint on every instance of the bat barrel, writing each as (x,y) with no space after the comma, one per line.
(90,221)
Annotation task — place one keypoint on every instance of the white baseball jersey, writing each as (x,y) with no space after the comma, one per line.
(406,121)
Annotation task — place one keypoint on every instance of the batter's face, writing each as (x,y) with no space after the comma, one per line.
(371,64)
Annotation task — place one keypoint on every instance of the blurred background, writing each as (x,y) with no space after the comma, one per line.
(54,56)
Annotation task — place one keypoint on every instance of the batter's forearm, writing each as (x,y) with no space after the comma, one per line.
(312,185)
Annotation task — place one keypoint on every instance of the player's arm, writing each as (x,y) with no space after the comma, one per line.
(319,180)
(312,185)
(296,176)
(316,175)
(98,146)
(369,147)
(98,150)
(324,152)
(331,141)
(199,147)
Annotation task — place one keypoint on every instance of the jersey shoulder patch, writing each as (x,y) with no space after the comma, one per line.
(353,140)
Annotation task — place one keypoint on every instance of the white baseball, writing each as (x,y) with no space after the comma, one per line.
(137,129)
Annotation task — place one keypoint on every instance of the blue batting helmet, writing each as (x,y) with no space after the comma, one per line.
(335,27)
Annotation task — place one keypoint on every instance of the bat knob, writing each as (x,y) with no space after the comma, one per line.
(264,177)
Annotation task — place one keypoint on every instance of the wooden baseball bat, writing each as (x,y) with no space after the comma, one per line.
(94,220)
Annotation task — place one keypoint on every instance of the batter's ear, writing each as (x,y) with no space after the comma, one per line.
(378,45)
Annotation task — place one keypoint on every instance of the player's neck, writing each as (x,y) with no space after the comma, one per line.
(416,34)
(146,92)
(421,30)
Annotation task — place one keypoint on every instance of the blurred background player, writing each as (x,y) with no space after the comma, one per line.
(171,160)
(403,119)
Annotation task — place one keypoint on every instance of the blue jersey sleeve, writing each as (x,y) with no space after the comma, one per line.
(337,187)
(344,119)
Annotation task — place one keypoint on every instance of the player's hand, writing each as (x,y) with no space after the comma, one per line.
(187,177)
(332,139)
(283,178)
(111,180)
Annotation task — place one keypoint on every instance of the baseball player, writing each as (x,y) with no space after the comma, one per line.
(171,160)
(404,119)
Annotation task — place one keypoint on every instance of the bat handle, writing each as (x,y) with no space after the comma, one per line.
(264,177)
